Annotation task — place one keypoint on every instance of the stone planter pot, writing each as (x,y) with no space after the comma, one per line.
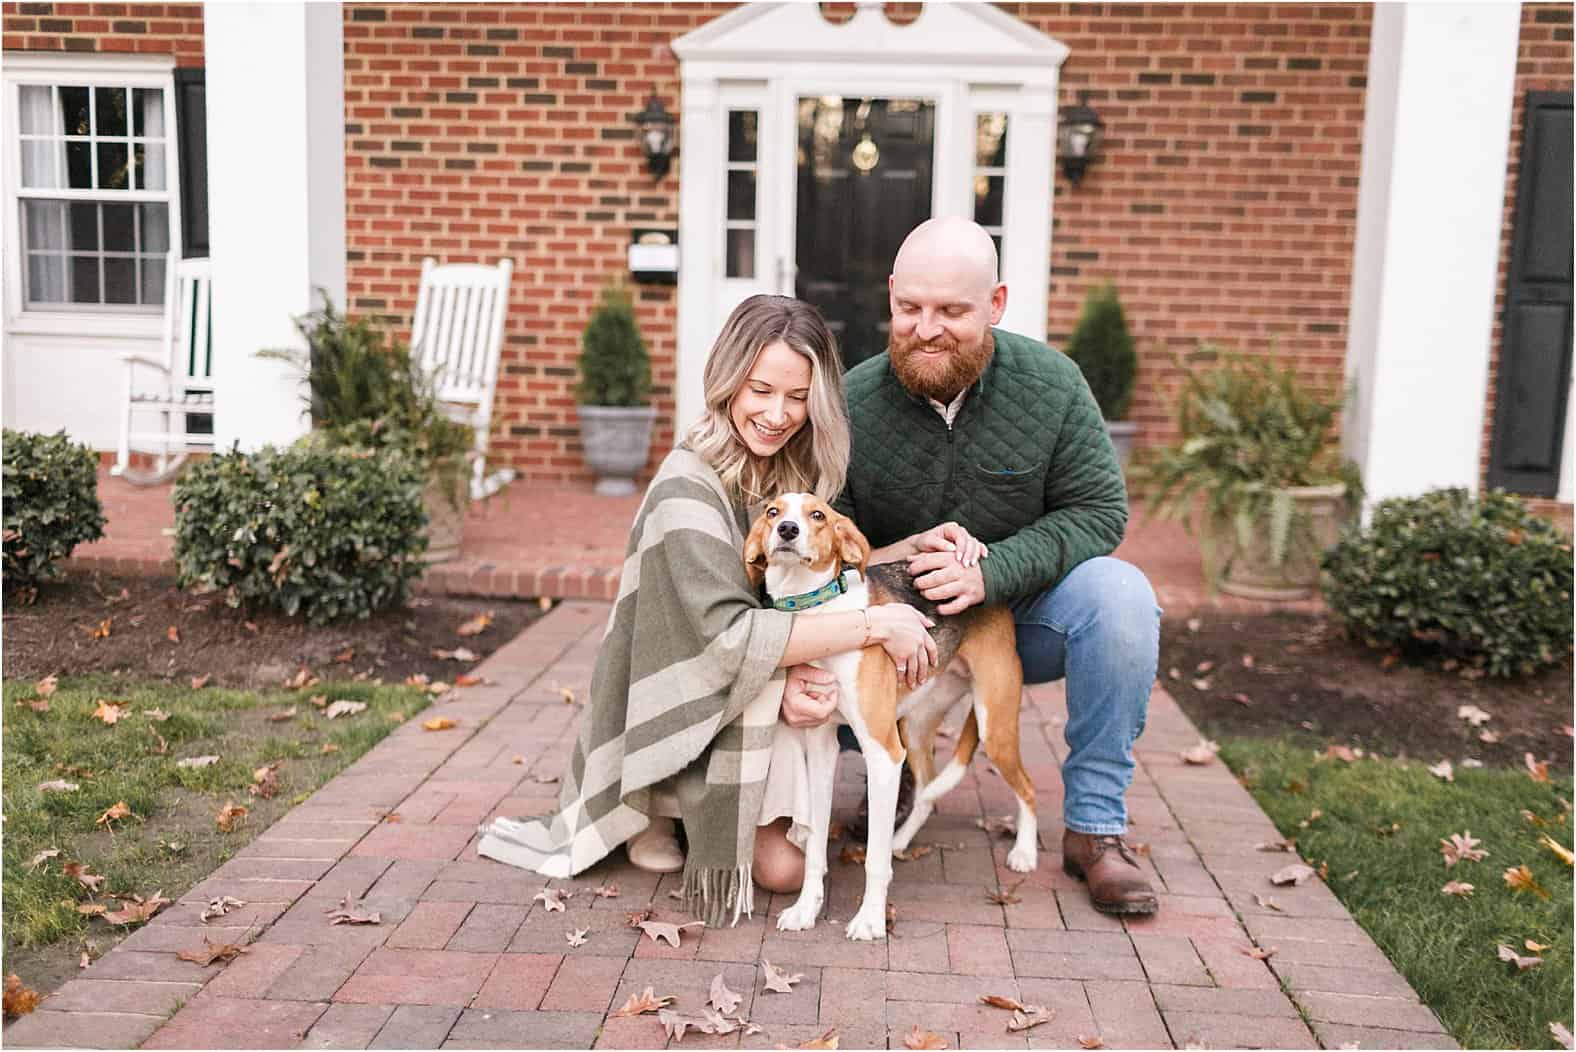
(1122,433)
(617,442)
(445,516)
(1249,570)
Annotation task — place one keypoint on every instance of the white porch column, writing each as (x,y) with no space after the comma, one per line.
(1435,141)
(276,201)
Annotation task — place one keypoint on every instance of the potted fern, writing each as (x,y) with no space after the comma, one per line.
(1258,454)
(615,380)
(1102,347)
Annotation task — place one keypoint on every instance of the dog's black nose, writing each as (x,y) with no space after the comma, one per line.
(788,529)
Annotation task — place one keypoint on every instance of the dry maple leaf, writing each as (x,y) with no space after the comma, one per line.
(1521,963)
(1536,947)
(1029,1017)
(1091,1042)
(1473,715)
(346,913)
(199,682)
(282,715)
(1562,852)
(852,853)
(79,871)
(1259,953)
(438,723)
(138,910)
(1443,769)
(1456,887)
(645,1001)
(918,1038)
(303,678)
(212,951)
(45,687)
(825,1042)
(1520,878)
(1005,896)
(576,937)
(111,711)
(605,891)
(18,999)
(218,907)
(661,930)
(721,998)
(999,1001)
(92,909)
(343,708)
(552,898)
(1561,1034)
(114,814)
(777,980)
(1202,753)
(265,781)
(634,917)
(58,785)
(1537,770)
(100,632)
(1461,847)
(476,625)
(675,1024)
(228,815)
(915,851)
(1295,874)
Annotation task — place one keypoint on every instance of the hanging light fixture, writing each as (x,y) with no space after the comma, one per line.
(1078,138)
(655,126)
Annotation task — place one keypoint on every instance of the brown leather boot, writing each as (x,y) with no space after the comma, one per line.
(1116,884)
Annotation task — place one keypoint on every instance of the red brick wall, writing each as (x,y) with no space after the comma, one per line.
(1543,63)
(162,29)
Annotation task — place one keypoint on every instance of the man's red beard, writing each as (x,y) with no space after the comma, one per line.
(940,377)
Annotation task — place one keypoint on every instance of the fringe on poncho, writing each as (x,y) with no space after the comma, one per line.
(679,689)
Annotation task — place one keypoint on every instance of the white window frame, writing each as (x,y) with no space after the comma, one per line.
(56,69)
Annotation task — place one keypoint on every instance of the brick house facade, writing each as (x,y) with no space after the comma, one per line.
(1224,205)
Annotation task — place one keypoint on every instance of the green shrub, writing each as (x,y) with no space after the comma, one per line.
(325,532)
(1484,582)
(1102,346)
(51,503)
(615,369)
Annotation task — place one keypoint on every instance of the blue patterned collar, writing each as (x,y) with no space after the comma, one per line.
(824,594)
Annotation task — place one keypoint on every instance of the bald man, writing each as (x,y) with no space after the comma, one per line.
(964,433)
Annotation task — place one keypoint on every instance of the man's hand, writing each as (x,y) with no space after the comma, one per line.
(950,537)
(942,579)
(809,696)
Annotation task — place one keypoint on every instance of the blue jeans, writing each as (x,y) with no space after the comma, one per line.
(1100,628)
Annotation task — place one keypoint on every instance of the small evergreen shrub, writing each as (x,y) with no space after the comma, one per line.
(1480,582)
(327,533)
(615,369)
(1102,346)
(51,503)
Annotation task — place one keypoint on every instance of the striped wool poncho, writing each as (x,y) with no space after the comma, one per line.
(679,689)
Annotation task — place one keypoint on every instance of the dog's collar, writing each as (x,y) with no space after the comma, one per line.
(824,594)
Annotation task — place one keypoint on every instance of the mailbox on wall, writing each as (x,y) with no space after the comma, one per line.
(654,256)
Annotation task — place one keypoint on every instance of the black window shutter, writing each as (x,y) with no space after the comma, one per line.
(191,126)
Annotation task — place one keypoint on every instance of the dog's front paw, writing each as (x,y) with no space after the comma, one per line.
(1023,858)
(799,917)
(867,924)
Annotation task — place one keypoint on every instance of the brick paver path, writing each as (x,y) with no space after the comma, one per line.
(467,958)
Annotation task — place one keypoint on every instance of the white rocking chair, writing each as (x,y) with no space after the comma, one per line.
(174,390)
(456,338)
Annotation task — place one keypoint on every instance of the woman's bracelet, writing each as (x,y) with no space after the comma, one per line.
(866,612)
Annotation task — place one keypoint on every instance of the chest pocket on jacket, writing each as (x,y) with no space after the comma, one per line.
(1008,498)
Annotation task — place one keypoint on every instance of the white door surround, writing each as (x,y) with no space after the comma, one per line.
(966,58)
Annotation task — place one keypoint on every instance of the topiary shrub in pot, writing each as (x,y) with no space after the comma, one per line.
(1102,346)
(51,506)
(1482,584)
(615,380)
(1259,455)
(321,531)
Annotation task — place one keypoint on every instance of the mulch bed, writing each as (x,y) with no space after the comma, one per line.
(60,634)
(1271,675)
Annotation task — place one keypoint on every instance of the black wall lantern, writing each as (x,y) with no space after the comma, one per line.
(1078,138)
(656,135)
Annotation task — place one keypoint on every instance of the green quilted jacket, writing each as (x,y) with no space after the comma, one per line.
(1026,466)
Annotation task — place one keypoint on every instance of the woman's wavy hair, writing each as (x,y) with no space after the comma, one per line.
(816,458)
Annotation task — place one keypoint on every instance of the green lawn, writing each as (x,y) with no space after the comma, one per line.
(1391,878)
(172,841)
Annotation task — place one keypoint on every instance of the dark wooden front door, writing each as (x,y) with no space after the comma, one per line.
(863,184)
(1534,373)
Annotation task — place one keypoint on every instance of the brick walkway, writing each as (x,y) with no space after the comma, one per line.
(466,958)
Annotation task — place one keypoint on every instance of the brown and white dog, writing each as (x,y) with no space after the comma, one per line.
(799,546)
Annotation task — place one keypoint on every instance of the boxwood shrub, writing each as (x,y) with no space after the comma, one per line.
(1481,581)
(51,503)
(324,533)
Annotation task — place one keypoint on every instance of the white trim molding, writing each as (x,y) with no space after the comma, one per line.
(965,58)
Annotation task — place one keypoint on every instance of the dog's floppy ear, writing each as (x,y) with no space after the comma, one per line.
(755,551)
(852,548)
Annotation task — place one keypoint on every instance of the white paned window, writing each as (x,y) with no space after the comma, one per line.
(990,174)
(743,175)
(93,190)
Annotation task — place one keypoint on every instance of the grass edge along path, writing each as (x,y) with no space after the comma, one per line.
(172,838)
(1376,825)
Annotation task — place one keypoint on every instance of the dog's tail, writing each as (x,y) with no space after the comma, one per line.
(952,774)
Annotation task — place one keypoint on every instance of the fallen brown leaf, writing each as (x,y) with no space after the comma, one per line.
(476,625)
(114,813)
(329,747)
(914,851)
(265,781)
(18,999)
(852,853)
(645,1001)
(777,980)
(1537,770)
(282,715)
(825,1042)
(211,951)
(1030,1017)
(228,815)
(1005,896)
(36,704)
(1461,848)
(1092,1042)
(301,680)
(348,913)
(58,785)
(457,654)
(45,688)
(468,680)
(1268,904)
(1520,878)
(79,872)
(173,634)
(138,910)
(1003,826)
(1443,769)
(438,723)
(343,708)
(605,891)
(721,998)
(1456,887)
(1521,963)
(999,1001)
(1560,851)
(111,711)
(1202,753)
(918,1038)
(576,937)
(42,857)
(199,682)
(1295,874)
(663,931)
(552,898)
(219,907)
(197,761)
(1259,953)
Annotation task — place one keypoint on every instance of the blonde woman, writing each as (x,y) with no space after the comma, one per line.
(679,720)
